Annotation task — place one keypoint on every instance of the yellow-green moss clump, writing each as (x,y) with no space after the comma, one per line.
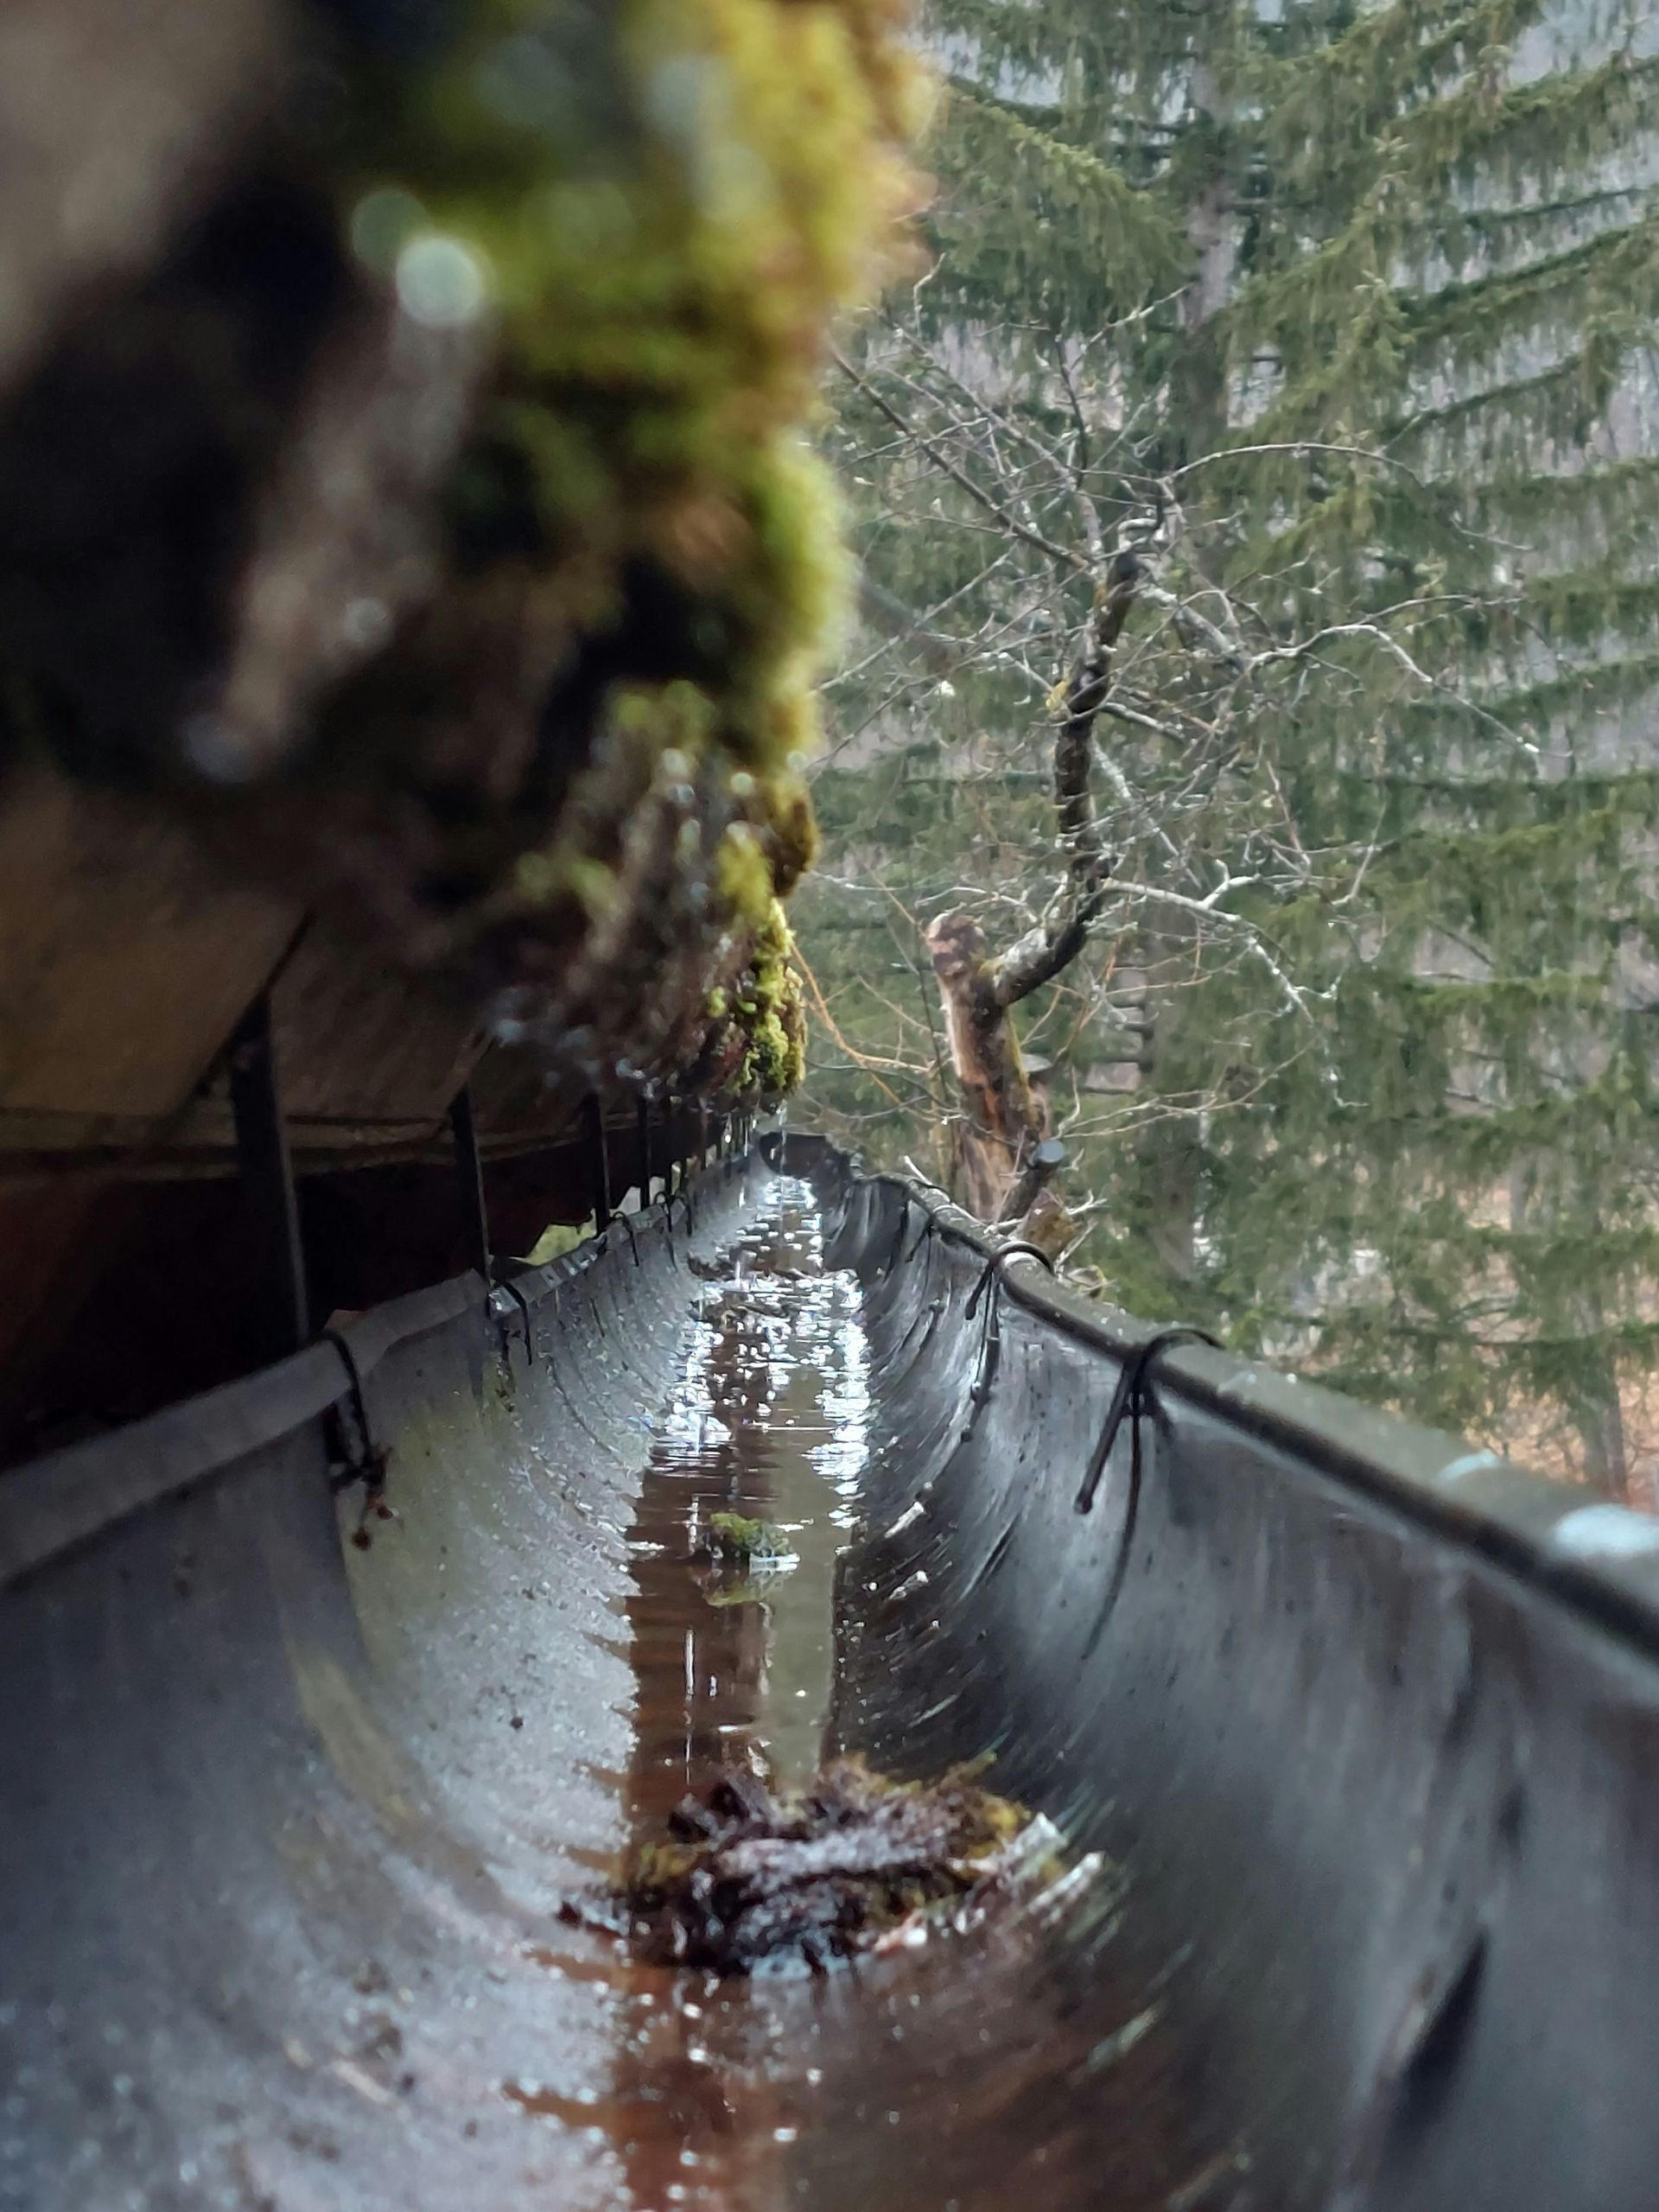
(771,1012)
(650,210)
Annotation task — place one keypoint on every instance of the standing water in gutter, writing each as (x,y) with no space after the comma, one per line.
(1007,2055)
(733,1624)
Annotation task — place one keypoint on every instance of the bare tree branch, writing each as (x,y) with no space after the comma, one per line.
(1044,952)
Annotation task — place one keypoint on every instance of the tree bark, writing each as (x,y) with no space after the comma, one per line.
(1599,1416)
(1001,1162)
(1168,1150)
(1000,1123)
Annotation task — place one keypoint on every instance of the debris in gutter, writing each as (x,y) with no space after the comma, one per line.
(853,1864)
(733,1541)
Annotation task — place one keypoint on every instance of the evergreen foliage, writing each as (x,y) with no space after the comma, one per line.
(1341,313)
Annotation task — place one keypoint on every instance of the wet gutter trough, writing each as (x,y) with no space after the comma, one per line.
(1373,1721)
(1364,1725)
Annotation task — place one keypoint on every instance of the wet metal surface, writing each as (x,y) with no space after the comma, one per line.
(1380,1771)
(288,1823)
(291,1824)
(1365,1728)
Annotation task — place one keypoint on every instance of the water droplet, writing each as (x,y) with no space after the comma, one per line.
(441,283)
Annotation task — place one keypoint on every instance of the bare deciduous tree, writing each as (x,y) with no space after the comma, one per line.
(1163,828)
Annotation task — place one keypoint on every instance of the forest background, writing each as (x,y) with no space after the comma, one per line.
(1244,772)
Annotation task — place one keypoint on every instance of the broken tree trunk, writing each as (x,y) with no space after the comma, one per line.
(1002,1118)
(1003,1158)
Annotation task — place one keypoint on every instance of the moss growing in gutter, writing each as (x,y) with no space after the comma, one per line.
(736,1540)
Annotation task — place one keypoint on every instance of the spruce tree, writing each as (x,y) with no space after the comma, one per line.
(1341,315)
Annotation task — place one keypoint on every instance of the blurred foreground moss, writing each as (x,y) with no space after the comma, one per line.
(659,207)
(505,633)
